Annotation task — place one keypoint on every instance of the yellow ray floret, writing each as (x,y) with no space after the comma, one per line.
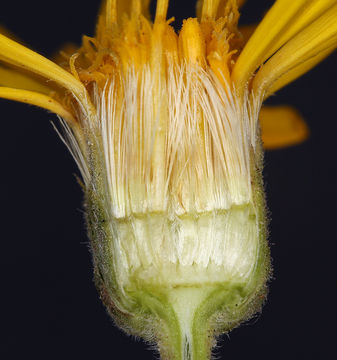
(33,98)
(315,40)
(11,77)
(298,71)
(284,20)
(13,53)
(282,126)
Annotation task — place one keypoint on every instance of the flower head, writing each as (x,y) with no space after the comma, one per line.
(165,129)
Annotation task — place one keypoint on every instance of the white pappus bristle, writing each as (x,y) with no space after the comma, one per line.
(176,159)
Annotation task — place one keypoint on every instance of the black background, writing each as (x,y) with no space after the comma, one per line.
(49,306)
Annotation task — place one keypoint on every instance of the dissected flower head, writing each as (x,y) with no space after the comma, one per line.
(164,127)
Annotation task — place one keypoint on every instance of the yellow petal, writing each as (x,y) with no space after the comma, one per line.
(18,55)
(41,100)
(311,45)
(298,71)
(15,79)
(282,126)
(311,11)
(281,23)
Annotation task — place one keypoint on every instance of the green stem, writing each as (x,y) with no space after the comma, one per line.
(186,303)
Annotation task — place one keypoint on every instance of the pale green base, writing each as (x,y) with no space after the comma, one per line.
(187,319)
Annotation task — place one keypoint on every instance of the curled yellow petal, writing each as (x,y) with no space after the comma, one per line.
(18,55)
(281,23)
(282,126)
(310,45)
(33,98)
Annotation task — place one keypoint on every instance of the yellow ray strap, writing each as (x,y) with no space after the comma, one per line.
(16,54)
(282,126)
(16,79)
(298,71)
(33,98)
(281,23)
(314,42)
